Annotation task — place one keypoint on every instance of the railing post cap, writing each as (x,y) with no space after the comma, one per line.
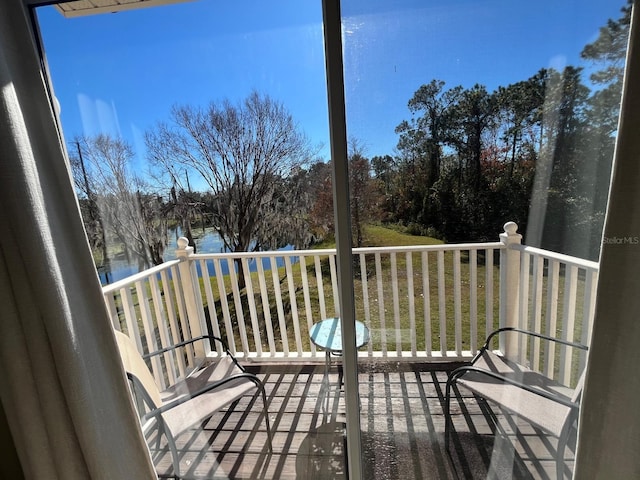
(510,228)
(510,235)
(183,247)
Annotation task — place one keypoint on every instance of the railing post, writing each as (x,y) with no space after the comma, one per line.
(509,287)
(192,295)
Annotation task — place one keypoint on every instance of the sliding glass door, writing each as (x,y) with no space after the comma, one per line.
(462,117)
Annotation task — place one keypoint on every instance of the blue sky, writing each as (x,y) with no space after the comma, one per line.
(121,73)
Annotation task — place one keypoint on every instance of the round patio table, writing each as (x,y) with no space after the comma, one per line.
(327,334)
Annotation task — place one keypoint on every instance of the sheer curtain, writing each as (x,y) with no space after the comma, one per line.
(609,437)
(63,391)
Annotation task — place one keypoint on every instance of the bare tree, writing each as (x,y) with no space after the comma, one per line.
(126,210)
(364,197)
(87,196)
(245,153)
(321,191)
(183,208)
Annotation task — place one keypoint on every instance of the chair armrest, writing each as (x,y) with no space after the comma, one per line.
(532,334)
(187,342)
(193,340)
(458,372)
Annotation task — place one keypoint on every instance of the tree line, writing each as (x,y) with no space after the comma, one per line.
(537,151)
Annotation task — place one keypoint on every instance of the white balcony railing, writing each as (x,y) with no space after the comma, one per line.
(427,303)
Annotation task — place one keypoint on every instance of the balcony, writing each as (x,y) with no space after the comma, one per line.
(428,308)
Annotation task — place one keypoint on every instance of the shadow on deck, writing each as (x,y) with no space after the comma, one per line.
(402,425)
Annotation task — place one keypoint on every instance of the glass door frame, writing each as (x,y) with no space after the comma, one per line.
(332,20)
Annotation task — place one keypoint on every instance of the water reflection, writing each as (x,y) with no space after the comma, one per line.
(206,241)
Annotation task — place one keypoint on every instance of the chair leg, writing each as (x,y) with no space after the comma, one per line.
(447,414)
(569,426)
(164,430)
(174,451)
(562,443)
(161,432)
(560,461)
(266,417)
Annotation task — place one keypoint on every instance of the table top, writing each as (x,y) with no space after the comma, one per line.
(327,334)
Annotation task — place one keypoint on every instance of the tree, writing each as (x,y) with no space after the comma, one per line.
(385,171)
(421,144)
(92,219)
(243,152)
(127,210)
(322,220)
(459,199)
(362,192)
(558,204)
(609,52)
(428,133)
(520,110)
(183,207)
(246,153)
(472,115)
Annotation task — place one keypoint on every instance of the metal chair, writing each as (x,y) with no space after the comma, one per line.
(190,401)
(530,395)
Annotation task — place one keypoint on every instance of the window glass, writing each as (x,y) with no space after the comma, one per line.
(464,116)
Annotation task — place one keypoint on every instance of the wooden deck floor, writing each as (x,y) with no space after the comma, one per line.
(402,425)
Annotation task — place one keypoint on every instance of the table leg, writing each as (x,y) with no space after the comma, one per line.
(325,380)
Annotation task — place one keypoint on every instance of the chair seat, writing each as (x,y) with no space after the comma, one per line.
(542,412)
(183,417)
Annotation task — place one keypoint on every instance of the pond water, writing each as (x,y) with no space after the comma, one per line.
(207,241)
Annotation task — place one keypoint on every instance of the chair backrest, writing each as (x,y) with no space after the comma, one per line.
(135,365)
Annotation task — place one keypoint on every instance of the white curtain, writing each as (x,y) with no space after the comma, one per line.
(62,389)
(609,437)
